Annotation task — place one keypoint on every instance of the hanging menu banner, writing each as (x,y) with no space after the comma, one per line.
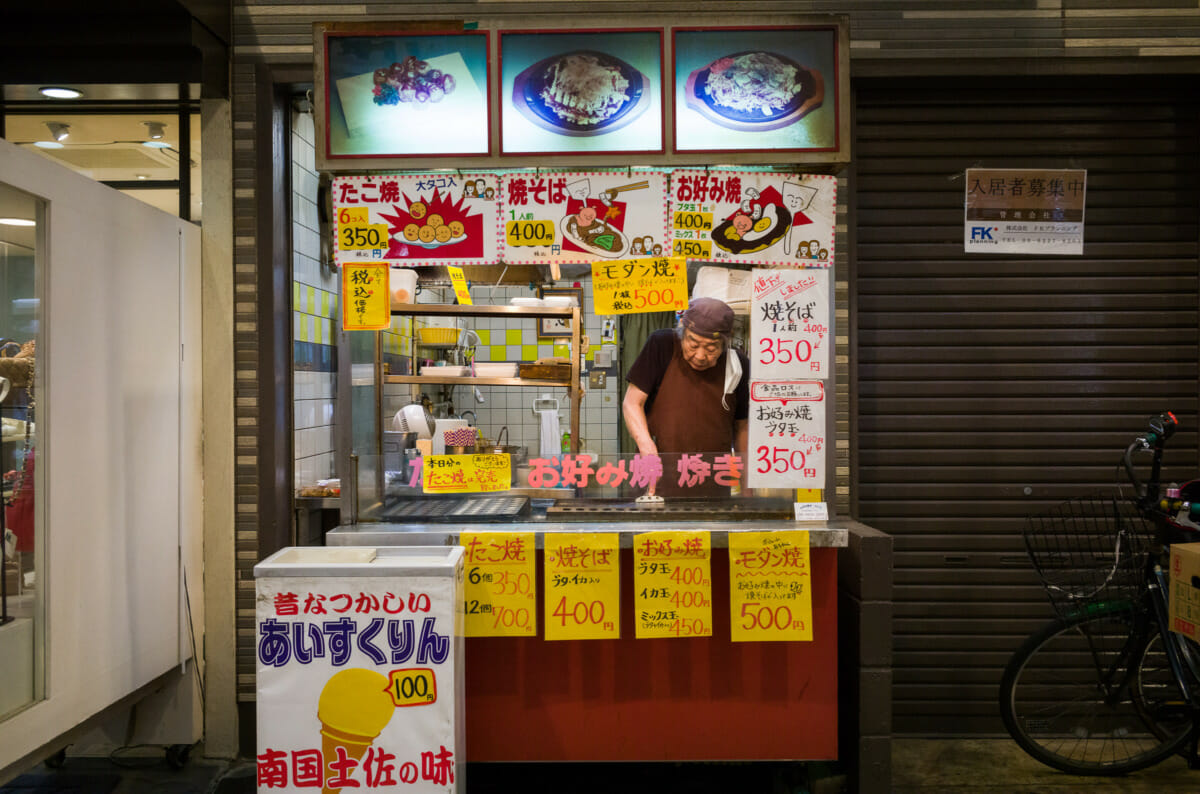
(366,305)
(787,434)
(638,286)
(672,583)
(789,324)
(582,586)
(501,586)
(417,219)
(770,586)
(753,217)
(576,217)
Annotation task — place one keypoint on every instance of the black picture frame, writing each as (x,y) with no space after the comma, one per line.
(557,327)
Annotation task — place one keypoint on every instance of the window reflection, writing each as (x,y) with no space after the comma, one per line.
(21,629)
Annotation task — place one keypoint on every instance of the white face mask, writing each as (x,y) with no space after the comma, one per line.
(733,373)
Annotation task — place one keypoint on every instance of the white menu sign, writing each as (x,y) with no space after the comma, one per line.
(789,324)
(787,434)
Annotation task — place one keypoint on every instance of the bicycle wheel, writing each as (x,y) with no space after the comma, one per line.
(1065,696)
(1156,694)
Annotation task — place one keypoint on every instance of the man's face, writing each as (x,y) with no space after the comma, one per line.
(701,353)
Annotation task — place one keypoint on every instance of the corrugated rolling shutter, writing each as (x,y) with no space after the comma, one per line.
(992,386)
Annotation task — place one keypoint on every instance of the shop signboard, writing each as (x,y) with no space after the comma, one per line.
(389,94)
(405,220)
(578,217)
(756,88)
(639,286)
(581,91)
(1024,211)
(753,217)
(359,670)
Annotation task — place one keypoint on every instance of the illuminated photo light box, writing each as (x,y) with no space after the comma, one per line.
(756,88)
(587,91)
(410,95)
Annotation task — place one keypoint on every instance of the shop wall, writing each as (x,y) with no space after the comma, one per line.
(314,319)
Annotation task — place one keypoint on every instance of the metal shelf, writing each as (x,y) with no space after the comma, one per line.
(467,380)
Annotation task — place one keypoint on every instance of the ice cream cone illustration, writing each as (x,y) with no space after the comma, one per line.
(354,708)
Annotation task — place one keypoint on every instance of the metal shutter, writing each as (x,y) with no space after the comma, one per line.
(977,377)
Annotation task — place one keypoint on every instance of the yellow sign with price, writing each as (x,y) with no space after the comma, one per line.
(529,232)
(582,584)
(638,286)
(501,589)
(672,584)
(770,586)
(355,232)
(466,473)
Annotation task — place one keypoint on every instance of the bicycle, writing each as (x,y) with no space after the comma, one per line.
(1105,688)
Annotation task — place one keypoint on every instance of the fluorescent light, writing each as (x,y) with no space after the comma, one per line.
(48,144)
(60,92)
(17,222)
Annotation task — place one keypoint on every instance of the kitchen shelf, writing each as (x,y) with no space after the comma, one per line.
(467,380)
(454,310)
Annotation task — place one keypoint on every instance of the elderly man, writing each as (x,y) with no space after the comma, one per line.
(687,394)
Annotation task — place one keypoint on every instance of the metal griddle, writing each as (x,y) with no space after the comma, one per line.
(425,509)
(759,509)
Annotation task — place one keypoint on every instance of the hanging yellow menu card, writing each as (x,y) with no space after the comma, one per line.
(582,584)
(637,286)
(672,584)
(500,589)
(770,595)
(365,302)
(459,281)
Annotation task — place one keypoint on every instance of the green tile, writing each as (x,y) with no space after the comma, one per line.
(485,336)
(529,353)
(497,352)
(512,336)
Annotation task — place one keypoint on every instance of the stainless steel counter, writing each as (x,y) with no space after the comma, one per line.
(822,534)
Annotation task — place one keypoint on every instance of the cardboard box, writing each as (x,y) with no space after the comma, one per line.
(1184,614)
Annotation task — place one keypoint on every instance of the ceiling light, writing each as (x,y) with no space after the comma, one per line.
(58,130)
(142,176)
(157,144)
(59,92)
(17,222)
(154,129)
(48,144)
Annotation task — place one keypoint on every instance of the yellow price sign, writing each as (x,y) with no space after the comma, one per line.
(459,280)
(637,286)
(359,237)
(672,584)
(365,302)
(582,586)
(529,232)
(501,588)
(770,586)
(352,215)
(412,686)
(693,249)
(698,221)
(466,473)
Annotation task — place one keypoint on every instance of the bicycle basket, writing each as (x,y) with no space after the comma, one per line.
(1090,548)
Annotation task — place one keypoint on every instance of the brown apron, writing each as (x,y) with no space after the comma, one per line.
(687,416)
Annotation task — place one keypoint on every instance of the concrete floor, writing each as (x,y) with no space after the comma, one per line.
(926,766)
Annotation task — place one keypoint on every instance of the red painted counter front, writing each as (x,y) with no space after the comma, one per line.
(655,700)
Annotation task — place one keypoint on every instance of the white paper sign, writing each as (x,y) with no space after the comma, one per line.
(355,684)
(811,511)
(787,434)
(789,324)
(753,217)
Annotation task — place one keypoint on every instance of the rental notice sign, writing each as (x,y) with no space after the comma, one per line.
(1024,211)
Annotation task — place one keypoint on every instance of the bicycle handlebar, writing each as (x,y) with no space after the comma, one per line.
(1162,427)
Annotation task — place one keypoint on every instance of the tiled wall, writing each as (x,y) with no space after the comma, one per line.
(314,319)
(512,406)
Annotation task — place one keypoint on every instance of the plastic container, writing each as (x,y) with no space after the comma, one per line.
(402,283)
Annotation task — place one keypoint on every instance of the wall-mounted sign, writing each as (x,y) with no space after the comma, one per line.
(586,91)
(789,324)
(787,434)
(575,217)
(404,95)
(753,217)
(1024,211)
(770,586)
(672,584)
(639,286)
(739,89)
(501,586)
(582,583)
(417,219)
(366,305)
